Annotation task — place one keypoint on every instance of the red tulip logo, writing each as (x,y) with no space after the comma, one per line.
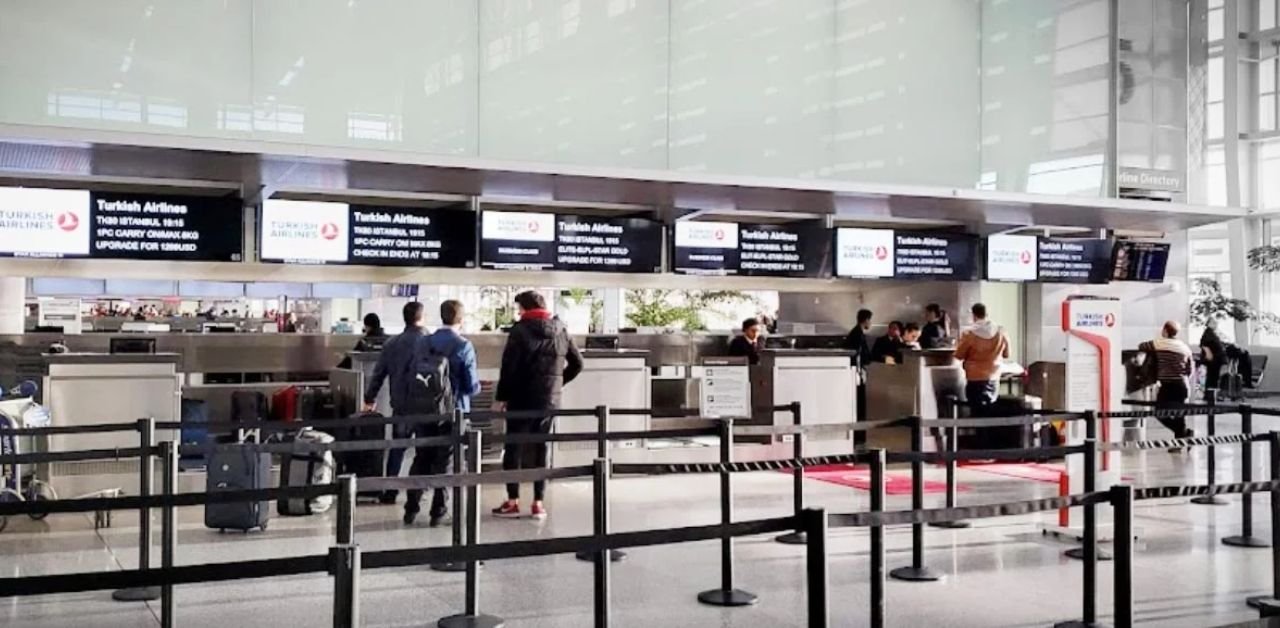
(533,226)
(1110,320)
(719,235)
(881,253)
(68,221)
(328,231)
(1025,256)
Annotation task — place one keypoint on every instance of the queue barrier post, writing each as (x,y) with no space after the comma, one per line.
(1090,485)
(168,528)
(726,595)
(146,475)
(1122,579)
(459,432)
(796,537)
(471,617)
(346,524)
(602,452)
(1211,460)
(1269,605)
(1089,549)
(1246,537)
(877,540)
(917,571)
(344,564)
(949,439)
(817,579)
(600,527)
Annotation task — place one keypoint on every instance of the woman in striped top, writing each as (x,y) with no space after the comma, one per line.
(1173,370)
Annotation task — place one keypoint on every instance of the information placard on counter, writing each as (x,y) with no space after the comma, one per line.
(38,222)
(725,389)
(321,232)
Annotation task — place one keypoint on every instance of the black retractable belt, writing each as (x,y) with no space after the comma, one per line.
(1089,550)
(602,451)
(949,439)
(459,432)
(1269,605)
(600,528)
(796,537)
(471,617)
(1211,398)
(146,473)
(1246,537)
(917,571)
(726,595)
(168,528)
(1090,454)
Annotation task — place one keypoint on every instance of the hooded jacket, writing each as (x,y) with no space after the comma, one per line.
(539,359)
(981,348)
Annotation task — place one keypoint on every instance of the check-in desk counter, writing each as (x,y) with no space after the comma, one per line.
(617,378)
(916,387)
(823,381)
(347,384)
(87,388)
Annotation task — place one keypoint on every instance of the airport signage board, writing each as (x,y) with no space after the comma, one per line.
(544,241)
(321,232)
(1012,258)
(726,248)
(1139,261)
(39,222)
(1074,261)
(890,254)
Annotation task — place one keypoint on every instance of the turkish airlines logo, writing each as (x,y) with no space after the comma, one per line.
(1025,257)
(882,252)
(328,231)
(1109,320)
(719,234)
(533,226)
(68,221)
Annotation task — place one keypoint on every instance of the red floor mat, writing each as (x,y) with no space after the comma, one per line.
(859,477)
(1047,473)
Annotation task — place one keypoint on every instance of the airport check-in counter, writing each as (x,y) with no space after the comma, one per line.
(916,387)
(617,378)
(347,385)
(88,388)
(823,381)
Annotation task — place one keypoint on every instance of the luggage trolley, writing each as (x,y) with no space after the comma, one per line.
(20,482)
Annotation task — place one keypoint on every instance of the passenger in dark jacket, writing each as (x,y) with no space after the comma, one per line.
(856,341)
(1213,353)
(399,363)
(538,361)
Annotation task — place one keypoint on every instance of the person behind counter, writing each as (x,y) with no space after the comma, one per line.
(747,345)
(1173,366)
(888,348)
(856,341)
(980,350)
(937,327)
(372,340)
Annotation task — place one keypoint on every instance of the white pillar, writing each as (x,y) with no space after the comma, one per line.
(13,304)
(612,310)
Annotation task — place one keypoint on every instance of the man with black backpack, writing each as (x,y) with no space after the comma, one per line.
(420,385)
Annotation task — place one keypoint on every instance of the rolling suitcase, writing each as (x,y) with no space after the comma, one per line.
(315,402)
(195,413)
(306,469)
(363,464)
(235,470)
(248,407)
(284,404)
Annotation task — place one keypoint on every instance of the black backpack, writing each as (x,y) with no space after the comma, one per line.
(432,389)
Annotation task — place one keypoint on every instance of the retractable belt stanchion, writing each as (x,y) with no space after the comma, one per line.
(1269,605)
(877,540)
(602,452)
(146,474)
(1122,580)
(344,559)
(1211,397)
(459,500)
(1089,551)
(1246,537)
(726,595)
(917,572)
(471,617)
(949,438)
(818,584)
(168,527)
(797,492)
(600,527)
(1090,485)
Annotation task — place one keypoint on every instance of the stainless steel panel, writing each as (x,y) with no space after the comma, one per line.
(618,382)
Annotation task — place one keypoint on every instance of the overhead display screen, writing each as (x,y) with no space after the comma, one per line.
(726,248)
(541,241)
(319,232)
(1074,261)
(1012,258)
(38,222)
(889,254)
(1139,261)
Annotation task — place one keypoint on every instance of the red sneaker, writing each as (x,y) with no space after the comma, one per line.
(538,511)
(509,509)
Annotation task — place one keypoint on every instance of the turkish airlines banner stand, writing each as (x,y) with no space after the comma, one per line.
(1095,381)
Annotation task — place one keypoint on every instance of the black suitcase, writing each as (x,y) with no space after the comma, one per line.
(1000,436)
(236,470)
(248,407)
(315,403)
(362,464)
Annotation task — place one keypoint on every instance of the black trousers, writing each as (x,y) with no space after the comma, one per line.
(431,461)
(1173,395)
(527,455)
(979,395)
(1213,374)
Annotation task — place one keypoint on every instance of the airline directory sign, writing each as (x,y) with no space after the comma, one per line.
(1012,258)
(38,222)
(319,232)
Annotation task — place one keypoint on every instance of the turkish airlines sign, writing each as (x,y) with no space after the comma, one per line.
(37,222)
(706,235)
(865,253)
(1012,258)
(304,231)
(519,226)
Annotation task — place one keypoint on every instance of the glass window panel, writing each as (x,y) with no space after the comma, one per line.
(1266,13)
(1267,112)
(1215,79)
(1216,122)
(1215,25)
(1267,76)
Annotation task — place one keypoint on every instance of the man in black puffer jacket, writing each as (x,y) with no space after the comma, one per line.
(538,361)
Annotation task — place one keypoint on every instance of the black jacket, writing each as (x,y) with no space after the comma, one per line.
(741,347)
(932,335)
(856,342)
(538,361)
(885,347)
(399,361)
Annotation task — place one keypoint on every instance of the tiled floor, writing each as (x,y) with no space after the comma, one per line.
(1001,572)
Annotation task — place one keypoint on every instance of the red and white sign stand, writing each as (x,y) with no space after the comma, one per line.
(1095,381)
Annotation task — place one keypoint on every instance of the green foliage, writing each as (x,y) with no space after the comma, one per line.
(685,309)
(1265,259)
(1208,303)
